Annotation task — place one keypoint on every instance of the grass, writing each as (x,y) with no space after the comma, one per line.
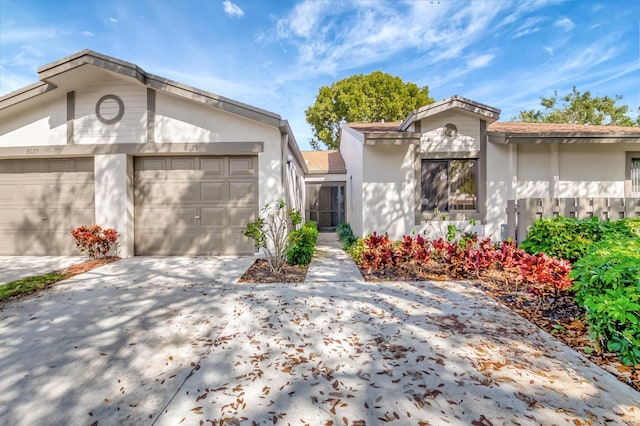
(30,284)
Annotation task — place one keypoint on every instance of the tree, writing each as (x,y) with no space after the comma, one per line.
(580,108)
(365,98)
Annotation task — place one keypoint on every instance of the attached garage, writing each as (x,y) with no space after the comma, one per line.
(194,205)
(41,201)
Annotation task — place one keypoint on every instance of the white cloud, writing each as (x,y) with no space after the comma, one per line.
(529,27)
(88,33)
(232,9)
(565,23)
(480,61)
(548,49)
(114,20)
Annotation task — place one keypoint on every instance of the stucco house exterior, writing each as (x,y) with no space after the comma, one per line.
(181,171)
(176,170)
(452,162)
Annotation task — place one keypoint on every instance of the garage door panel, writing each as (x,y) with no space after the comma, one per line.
(9,193)
(212,217)
(196,218)
(240,216)
(213,166)
(214,191)
(243,192)
(243,166)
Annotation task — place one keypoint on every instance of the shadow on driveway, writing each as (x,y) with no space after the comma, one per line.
(171,340)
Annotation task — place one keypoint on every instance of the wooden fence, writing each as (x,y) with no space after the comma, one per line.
(523,212)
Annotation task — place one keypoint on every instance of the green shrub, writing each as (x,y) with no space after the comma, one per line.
(607,286)
(302,243)
(345,234)
(357,249)
(571,239)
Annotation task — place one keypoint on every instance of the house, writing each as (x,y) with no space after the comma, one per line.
(181,171)
(176,170)
(453,163)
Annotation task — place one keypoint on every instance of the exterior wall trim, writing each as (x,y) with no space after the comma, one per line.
(151,115)
(71,115)
(74,150)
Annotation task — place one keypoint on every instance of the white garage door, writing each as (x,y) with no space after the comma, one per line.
(194,205)
(41,201)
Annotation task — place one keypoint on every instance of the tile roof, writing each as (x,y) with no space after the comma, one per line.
(547,128)
(392,126)
(324,161)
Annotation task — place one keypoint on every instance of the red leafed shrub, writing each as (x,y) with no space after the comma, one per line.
(380,253)
(545,275)
(95,241)
(469,257)
(414,249)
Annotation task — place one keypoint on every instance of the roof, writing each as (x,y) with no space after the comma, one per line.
(52,75)
(521,132)
(549,128)
(485,112)
(330,162)
(379,127)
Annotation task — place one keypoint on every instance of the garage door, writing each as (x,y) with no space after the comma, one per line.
(41,201)
(194,205)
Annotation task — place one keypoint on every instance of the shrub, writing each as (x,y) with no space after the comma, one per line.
(571,239)
(357,249)
(95,241)
(607,285)
(302,243)
(380,253)
(345,234)
(271,232)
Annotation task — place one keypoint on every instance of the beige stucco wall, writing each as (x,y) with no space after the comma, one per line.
(434,140)
(351,149)
(39,124)
(132,127)
(114,197)
(388,189)
(501,169)
(590,170)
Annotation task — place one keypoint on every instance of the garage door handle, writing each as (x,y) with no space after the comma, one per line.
(196,217)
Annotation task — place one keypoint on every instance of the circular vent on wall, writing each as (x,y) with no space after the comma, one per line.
(450,130)
(109,109)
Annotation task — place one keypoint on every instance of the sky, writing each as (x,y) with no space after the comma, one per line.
(276,55)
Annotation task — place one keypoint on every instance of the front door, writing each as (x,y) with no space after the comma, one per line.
(326,204)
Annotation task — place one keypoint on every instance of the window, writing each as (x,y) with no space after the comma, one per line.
(450,185)
(635,177)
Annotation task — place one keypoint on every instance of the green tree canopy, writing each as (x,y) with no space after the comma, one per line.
(580,108)
(362,98)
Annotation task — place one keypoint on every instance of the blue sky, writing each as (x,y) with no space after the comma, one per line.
(277,54)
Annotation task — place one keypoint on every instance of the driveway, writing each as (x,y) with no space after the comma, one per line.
(174,341)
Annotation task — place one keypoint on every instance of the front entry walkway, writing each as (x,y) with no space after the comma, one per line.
(330,263)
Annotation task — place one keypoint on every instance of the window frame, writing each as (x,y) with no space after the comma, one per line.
(448,186)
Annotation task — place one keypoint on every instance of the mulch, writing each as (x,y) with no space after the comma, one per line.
(561,318)
(87,266)
(260,272)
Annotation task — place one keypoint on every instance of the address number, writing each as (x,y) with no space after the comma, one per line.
(191,147)
(32,151)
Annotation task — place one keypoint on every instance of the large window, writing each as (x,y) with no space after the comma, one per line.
(450,185)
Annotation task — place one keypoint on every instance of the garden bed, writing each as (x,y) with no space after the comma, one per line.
(260,272)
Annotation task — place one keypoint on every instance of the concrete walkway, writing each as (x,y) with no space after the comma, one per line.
(330,263)
(167,341)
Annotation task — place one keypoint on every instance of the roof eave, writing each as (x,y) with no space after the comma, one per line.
(542,138)
(486,112)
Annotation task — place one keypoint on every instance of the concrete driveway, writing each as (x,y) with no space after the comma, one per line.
(173,341)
